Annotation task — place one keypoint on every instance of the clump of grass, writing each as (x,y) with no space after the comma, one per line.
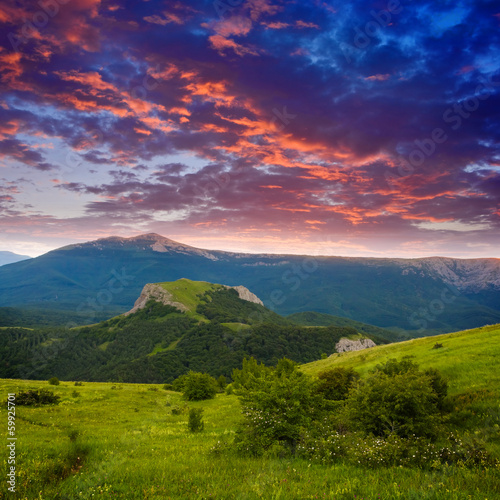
(195,422)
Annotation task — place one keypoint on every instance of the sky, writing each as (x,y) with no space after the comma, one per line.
(360,128)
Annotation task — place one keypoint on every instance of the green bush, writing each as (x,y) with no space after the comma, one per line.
(54,381)
(179,410)
(250,374)
(398,398)
(198,386)
(278,410)
(178,383)
(33,397)
(195,422)
(336,383)
(78,383)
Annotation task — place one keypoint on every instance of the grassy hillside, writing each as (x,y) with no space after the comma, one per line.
(122,441)
(469,359)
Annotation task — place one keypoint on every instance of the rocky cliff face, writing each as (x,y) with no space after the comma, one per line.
(246,294)
(346,345)
(468,275)
(158,293)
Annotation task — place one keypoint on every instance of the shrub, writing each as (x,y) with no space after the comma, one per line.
(397,367)
(75,394)
(397,398)
(78,383)
(198,386)
(54,381)
(178,383)
(179,410)
(33,397)
(168,387)
(195,422)
(336,383)
(250,374)
(278,410)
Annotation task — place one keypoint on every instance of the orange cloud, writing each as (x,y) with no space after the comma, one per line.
(378,78)
(236,25)
(302,24)
(9,128)
(221,44)
(11,70)
(276,25)
(170,17)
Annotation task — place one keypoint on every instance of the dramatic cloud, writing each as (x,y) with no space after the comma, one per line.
(360,128)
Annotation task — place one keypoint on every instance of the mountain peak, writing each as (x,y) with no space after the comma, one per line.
(148,241)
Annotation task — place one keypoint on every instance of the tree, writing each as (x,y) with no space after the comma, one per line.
(398,398)
(278,409)
(250,374)
(198,386)
(335,384)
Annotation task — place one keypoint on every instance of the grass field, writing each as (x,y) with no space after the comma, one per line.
(122,441)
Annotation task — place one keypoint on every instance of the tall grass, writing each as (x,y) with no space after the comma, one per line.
(122,441)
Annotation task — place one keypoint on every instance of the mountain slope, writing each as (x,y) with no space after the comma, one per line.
(10,257)
(103,278)
(468,359)
(158,342)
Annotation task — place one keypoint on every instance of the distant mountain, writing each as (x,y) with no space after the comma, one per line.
(174,327)
(103,278)
(10,257)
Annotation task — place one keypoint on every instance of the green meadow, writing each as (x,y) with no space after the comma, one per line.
(106,440)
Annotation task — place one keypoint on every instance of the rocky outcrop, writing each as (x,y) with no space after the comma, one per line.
(158,293)
(246,294)
(346,345)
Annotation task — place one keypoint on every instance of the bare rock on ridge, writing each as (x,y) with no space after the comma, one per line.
(158,293)
(246,294)
(345,345)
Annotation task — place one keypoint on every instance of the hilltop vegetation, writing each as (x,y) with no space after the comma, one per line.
(159,343)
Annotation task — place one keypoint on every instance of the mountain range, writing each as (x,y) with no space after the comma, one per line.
(99,279)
